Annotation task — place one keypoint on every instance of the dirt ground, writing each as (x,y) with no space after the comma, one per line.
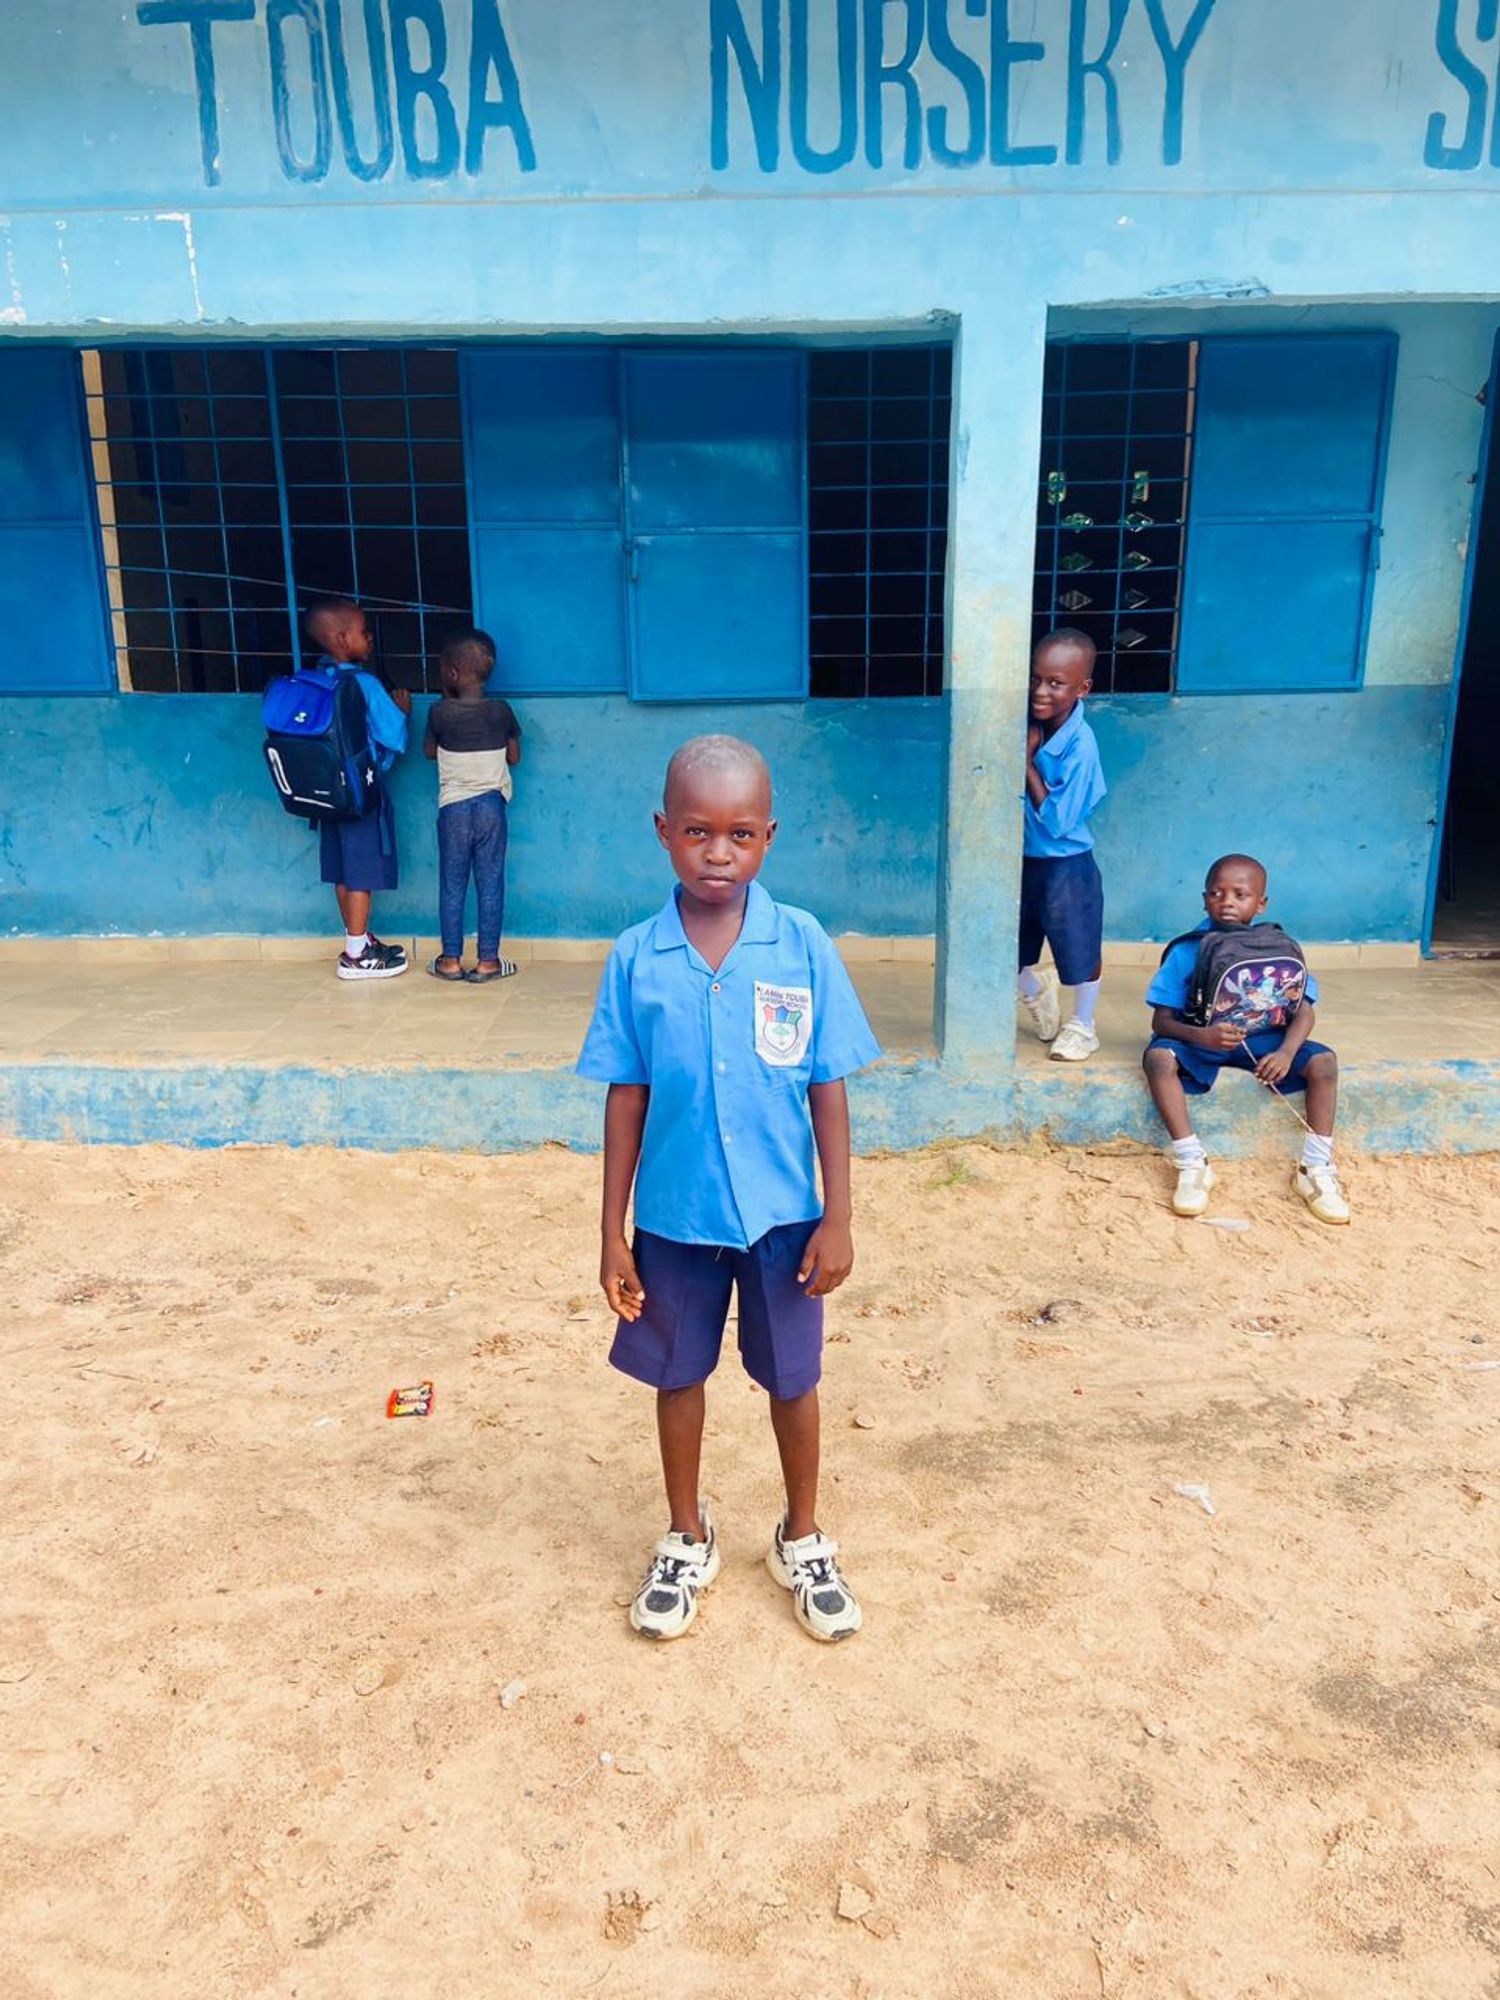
(1094,1740)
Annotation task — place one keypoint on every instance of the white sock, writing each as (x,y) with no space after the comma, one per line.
(1086,1000)
(1188,1152)
(354,946)
(1028,985)
(1318,1151)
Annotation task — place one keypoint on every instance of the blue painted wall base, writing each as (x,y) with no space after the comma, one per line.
(1433,1107)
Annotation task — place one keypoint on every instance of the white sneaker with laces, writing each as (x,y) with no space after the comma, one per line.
(1076,1043)
(1193,1184)
(1044,1009)
(809,1568)
(1319,1188)
(667,1601)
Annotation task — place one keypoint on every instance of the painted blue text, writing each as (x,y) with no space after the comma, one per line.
(933,79)
(363,83)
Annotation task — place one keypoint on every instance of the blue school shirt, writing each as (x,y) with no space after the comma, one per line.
(387,723)
(727,1151)
(1173,985)
(1069,766)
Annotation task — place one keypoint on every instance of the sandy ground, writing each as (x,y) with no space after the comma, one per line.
(1093,1741)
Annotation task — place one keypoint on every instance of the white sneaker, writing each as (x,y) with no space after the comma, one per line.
(825,1605)
(1076,1043)
(667,1601)
(1193,1184)
(1319,1188)
(1044,1009)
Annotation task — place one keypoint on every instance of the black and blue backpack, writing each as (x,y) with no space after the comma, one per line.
(317,745)
(1252,976)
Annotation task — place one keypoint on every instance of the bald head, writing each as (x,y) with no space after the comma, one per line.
(709,762)
(338,627)
(1237,864)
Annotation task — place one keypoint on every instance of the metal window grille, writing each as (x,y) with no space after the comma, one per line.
(1117,443)
(878,421)
(236,484)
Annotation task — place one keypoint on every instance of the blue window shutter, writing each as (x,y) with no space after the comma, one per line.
(716,514)
(1283,537)
(547,546)
(53,627)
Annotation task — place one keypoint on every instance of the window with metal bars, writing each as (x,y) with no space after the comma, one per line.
(234,485)
(877,476)
(1117,443)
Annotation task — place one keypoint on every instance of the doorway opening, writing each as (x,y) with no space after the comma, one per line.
(1466,916)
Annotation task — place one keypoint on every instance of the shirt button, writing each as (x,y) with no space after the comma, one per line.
(715,987)
(728,1139)
(722,1068)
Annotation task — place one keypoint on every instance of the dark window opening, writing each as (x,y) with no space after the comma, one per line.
(234,484)
(877,477)
(1117,440)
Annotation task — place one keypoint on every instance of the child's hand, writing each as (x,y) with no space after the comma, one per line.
(1225,1035)
(827,1260)
(1274,1067)
(402,698)
(621,1281)
(1033,740)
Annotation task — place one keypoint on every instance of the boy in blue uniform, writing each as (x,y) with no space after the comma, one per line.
(1062,897)
(359,856)
(724,1027)
(1183,1058)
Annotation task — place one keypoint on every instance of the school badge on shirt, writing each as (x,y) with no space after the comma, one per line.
(783,1024)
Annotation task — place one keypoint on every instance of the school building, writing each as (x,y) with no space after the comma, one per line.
(772,366)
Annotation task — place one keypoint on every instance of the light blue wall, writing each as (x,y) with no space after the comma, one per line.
(656,176)
(154,813)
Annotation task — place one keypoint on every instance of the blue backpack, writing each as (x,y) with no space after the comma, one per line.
(317,745)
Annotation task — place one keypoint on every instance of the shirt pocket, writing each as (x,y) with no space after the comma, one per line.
(783,1025)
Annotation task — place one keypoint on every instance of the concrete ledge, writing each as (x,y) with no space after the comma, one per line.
(1432,1107)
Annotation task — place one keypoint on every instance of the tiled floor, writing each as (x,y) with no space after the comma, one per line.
(1434,1011)
(151,1012)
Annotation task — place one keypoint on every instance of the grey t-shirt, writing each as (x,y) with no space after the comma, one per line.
(470,738)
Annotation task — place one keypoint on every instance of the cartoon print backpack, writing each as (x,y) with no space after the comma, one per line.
(1252,975)
(317,745)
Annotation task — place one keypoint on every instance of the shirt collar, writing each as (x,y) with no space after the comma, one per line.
(1058,741)
(762,923)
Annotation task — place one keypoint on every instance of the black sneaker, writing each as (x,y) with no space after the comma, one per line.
(376,961)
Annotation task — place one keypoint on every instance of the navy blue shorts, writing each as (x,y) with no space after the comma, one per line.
(1062,904)
(675,1342)
(361,853)
(1199,1069)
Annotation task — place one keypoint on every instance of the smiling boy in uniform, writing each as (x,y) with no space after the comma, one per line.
(724,1027)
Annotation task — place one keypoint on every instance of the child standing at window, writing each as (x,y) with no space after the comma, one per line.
(475,740)
(359,856)
(1062,897)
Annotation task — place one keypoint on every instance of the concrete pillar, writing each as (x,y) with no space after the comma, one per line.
(997,392)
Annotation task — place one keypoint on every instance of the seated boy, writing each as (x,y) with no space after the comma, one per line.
(359,856)
(475,741)
(1062,898)
(1263,1028)
(724,1027)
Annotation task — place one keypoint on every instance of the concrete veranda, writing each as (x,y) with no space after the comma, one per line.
(184,1042)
